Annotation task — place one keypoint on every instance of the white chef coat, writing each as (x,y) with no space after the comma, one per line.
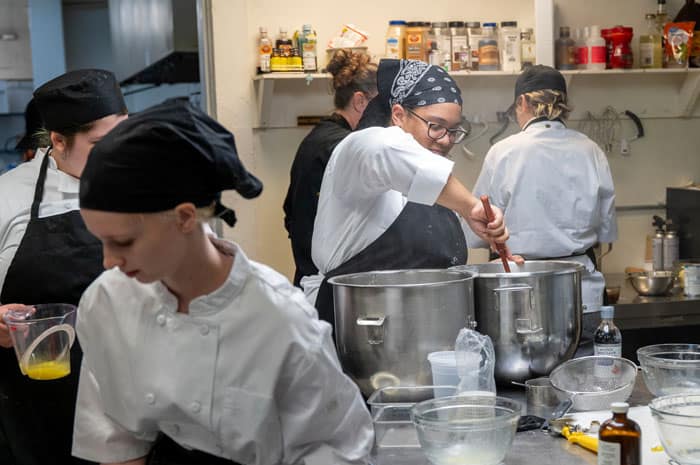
(370,177)
(250,374)
(556,191)
(16,196)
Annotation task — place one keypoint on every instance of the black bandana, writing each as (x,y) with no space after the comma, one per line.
(79,97)
(410,83)
(166,155)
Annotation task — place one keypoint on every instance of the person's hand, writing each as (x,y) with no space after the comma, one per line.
(5,339)
(490,231)
(519,260)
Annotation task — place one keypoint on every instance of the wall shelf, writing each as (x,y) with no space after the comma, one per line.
(650,93)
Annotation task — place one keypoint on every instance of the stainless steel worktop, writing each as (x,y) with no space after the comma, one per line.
(529,447)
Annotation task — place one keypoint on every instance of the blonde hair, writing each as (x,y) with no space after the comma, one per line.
(204,214)
(549,103)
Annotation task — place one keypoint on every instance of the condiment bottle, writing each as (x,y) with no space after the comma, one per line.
(284,43)
(596,49)
(488,48)
(619,438)
(415,41)
(474,35)
(265,51)
(396,40)
(458,42)
(582,47)
(607,339)
(306,41)
(565,50)
(650,51)
(527,47)
(510,46)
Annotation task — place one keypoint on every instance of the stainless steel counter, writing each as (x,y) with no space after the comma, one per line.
(529,447)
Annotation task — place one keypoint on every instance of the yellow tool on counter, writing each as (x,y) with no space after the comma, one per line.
(580,438)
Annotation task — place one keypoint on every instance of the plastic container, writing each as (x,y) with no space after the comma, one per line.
(459,43)
(474,35)
(440,35)
(581,38)
(621,57)
(692,279)
(527,47)
(444,367)
(596,49)
(415,41)
(395,45)
(488,49)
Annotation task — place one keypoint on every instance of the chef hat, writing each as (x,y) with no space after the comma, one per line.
(159,158)
(411,83)
(539,77)
(77,98)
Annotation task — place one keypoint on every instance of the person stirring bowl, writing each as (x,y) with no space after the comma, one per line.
(553,184)
(355,84)
(48,256)
(187,340)
(388,197)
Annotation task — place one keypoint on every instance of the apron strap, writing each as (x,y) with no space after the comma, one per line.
(39,188)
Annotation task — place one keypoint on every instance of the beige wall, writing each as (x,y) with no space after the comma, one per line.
(667,156)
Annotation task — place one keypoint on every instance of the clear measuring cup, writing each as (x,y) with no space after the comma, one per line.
(42,336)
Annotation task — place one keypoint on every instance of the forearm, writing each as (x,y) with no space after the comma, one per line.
(457,197)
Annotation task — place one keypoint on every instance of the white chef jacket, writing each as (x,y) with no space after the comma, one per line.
(556,191)
(250,374)
(370,177)
(16,196)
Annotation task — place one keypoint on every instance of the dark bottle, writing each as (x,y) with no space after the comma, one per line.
(619,438)
(607,339)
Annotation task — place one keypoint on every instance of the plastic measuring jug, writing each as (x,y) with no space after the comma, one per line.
(42,336)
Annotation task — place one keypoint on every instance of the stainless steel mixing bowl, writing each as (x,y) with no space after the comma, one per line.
(652,282)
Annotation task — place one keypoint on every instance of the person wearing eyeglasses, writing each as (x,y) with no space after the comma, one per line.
(388,198)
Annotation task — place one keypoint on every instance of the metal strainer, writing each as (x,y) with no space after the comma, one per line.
(593,383)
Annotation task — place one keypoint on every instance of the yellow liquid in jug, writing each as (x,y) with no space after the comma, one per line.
(48,370)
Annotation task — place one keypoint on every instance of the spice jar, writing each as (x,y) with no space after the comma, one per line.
(621,39)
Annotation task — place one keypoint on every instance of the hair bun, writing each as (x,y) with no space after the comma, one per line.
(344,66)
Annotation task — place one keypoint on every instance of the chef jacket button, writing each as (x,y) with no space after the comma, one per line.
(160,319)
(195,407)
(204,330)
(151,398)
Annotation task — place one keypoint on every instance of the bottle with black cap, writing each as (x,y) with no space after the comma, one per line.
(607,339)
(619,438)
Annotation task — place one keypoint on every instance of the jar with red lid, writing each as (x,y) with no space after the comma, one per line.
(621,39)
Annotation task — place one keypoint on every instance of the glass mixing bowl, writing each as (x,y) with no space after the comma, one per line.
(677,419)
(670,368)
(466,430)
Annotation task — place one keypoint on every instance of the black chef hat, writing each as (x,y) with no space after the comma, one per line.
(161,157)
(79,97)
(32,125)
(539,77)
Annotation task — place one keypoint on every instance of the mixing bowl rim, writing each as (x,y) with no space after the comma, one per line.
(574,267)
(470,275)
(552,375)
(647,357)
(654,409)
(513,407)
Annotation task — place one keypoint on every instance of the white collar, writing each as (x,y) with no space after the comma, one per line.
(67,184)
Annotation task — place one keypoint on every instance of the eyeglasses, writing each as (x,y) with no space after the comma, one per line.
(437,131)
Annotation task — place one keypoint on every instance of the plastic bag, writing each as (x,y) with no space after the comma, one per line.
(476,361)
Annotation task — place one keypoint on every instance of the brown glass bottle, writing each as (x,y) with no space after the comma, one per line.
(619,439)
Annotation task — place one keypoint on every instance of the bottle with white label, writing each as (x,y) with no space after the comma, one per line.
(607,339)
(596,49)
(619,438)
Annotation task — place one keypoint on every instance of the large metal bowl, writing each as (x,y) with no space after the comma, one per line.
(652,282)
(466,430)
(670,368)
(677,419)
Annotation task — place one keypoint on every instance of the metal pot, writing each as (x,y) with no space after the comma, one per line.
(533,315)
(387,322)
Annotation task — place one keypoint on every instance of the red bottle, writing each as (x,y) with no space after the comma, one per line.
(621,38)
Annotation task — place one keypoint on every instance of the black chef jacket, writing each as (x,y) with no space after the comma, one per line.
(306,175)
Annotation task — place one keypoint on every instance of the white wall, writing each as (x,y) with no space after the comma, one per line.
(667,156)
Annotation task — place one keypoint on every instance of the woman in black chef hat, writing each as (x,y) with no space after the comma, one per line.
(194,354)
(48,256)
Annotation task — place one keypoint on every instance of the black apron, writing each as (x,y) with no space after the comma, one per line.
(168,452)
(422,236)
(54,263)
